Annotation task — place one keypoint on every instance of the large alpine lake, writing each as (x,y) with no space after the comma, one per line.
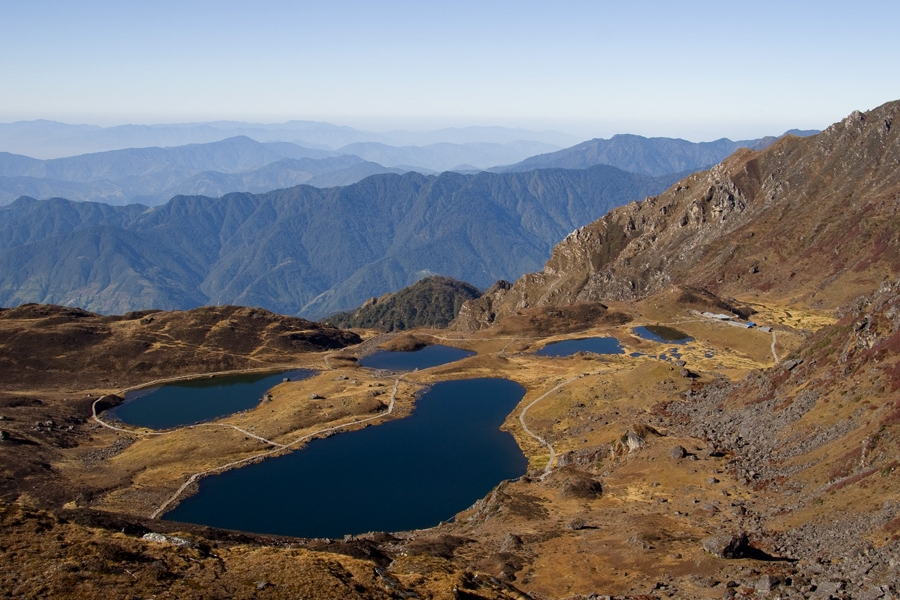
(406,474)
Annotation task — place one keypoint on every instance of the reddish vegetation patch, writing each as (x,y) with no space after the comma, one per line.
(881,244)
(889,346)
(764,398)
(851,480)
(893,415)
(774,383)
(783,404)
(894,374)
(845,321)
(892,526)
(845,464)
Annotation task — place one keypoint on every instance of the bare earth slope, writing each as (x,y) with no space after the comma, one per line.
(811,219)
(44,342)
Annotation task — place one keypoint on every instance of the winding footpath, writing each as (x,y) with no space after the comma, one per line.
(193,478)
(158,433)
(540,439)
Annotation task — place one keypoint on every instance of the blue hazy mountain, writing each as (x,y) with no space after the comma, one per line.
(154,175)
(51,139)
(303,250)
(638,154)
(239,164)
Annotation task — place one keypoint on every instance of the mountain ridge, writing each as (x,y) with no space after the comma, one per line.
(639,154)
(51,139)
(154,175)
(302,250)
(686,235)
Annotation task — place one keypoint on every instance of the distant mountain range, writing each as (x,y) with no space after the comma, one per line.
(303,250)
(50,139)
(637,154)
(446,156)
(154,175)
(367,230)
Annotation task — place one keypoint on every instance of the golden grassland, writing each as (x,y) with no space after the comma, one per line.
(643,528)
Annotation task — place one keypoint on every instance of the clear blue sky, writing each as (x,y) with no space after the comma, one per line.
(698,70)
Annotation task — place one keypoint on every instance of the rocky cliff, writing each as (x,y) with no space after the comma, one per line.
(809,219)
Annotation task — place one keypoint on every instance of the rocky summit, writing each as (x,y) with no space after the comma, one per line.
(742,440)
(808,219)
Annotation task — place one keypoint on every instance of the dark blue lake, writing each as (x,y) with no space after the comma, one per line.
(429,356)
(406,474)
(597,345)
(197,400)
(662,334)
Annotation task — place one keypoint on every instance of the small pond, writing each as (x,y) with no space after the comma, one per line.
(597,345)
(662,334)
(406,474)
(197,400)
(424,358)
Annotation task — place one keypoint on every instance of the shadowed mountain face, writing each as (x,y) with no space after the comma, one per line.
(301,250)
(813,219)
(430,302)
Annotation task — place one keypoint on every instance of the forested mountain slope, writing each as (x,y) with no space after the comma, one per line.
(301,250)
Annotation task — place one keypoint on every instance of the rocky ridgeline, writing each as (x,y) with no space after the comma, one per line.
(802,215)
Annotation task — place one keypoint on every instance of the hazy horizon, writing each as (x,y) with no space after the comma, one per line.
(698,72)
(380,126)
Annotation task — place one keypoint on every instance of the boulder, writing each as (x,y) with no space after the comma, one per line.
(726,545)
(511,543)
(580,486)
(168,539)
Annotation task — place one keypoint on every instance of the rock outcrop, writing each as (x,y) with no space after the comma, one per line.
(814,218)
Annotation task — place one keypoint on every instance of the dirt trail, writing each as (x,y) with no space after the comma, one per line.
(540,439)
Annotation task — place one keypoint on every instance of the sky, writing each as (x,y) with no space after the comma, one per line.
(696,70)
